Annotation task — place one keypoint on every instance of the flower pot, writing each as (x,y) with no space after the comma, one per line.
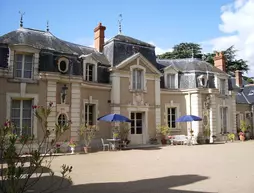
(72,150)
(242,138)
(86,149)
(163,141)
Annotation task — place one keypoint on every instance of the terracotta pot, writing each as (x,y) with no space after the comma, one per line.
(242,138)
(86,149)
(163,141)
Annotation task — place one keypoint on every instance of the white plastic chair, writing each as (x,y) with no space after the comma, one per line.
(104,145)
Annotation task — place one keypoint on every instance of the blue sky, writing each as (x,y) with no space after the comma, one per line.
(216,24)
(163,22)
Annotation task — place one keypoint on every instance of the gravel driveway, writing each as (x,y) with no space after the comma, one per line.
(224,168)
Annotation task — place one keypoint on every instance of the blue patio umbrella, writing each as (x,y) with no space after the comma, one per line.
(114,118)
(188,118)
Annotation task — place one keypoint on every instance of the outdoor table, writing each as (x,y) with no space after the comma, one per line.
(113,142)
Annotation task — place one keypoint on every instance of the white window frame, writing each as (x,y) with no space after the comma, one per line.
(20,96)
(88,59)
(23,54)
(93,72)
(223,91)
(135,122)
(170,121)
(221,119)
(91,101)
(171,70)
(86,113)
(178,113)
(143,78)
(175,81)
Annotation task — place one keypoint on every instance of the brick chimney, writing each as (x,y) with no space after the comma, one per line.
(238,78)
(219,61)
(99,37)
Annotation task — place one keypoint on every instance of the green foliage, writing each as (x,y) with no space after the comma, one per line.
(19,171)
(231,136)
(87,133)
(187,50)
(163,130)
(183,50)
(243,126)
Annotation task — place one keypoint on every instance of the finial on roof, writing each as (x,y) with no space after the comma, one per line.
(21,18)
(120,24)
(47,26)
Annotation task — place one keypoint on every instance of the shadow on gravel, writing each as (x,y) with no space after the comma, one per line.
(156,185)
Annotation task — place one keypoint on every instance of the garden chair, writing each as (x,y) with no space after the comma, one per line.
(104,145)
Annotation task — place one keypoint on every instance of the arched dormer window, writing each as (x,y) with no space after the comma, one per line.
(138,81)
(202,80)
(63,64)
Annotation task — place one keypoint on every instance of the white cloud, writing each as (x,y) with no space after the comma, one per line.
(238,25)
(159,50)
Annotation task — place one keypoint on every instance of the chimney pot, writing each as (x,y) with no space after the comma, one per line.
(238,78)
(219,61)
(99,35)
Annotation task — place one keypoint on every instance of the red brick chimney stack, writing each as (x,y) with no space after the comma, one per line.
(238,78)
(99,36)
(219,61)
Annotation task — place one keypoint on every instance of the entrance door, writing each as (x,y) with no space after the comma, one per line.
(137,127)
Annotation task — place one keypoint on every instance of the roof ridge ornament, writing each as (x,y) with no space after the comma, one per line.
(21,18)
(47,26)
(120,23)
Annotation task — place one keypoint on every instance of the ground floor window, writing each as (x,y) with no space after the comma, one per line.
(238,121)
(62,119)
(171,117)
(223,117)
(90,114)
(21,116)
(136,123)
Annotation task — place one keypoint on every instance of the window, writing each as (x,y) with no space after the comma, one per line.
(89,72)
(238,119)
(223,116)
(136,123)
(172,117)
(63,64)
(89,114)
(137,79)
(251,93)
(21,116)
(23,66)
(223,86)
(171,81)
(62,119)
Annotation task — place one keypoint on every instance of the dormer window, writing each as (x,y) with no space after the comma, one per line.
(251,93)
(202,80)
(23,66)
(137,79)
(222,86)
(171,81)
(63,65)
(89,72)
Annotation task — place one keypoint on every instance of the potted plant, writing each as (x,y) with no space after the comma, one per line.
(123,134)
(231,137)
(243,127)
(207,134)
(86,134)
(163,131)
(72,145)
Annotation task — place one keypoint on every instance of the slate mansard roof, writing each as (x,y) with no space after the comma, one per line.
(44,40)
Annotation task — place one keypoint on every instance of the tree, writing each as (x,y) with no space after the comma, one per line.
(189,50)
(20,170)
(183,50)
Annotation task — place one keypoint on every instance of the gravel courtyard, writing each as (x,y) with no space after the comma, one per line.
(224,168)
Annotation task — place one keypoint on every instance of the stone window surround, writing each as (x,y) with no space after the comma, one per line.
(11,62)
(62,113)
(34,97)
(67,64)
(219,118)
(172,105)
(96,108)
(88,59)
(167,71)
(144,86)
(217,79)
